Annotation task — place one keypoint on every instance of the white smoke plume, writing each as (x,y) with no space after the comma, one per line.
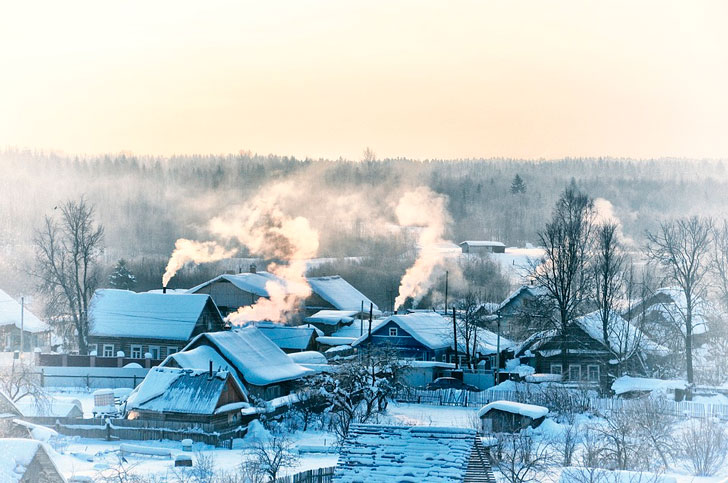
(190,251)
(605,214)
(425,209)
(267,231)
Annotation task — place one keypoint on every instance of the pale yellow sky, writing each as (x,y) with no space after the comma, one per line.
(420,79)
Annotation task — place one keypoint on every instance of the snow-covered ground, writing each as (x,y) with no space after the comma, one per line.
(317,448)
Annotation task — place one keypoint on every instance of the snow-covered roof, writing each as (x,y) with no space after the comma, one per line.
(175,390)
(623,337)
(579,473)
(15,456)
(340,293)
(308,357)
(482,243)
(10,315)
(54,406)
(7,406)
(428,328)
(626,384)
(199,358)
(374,453)
(357,328)
(286,336)
(332,317)
(530,410)
(673,308)
(253,355)
(532,290)
(121,313)
(254,283)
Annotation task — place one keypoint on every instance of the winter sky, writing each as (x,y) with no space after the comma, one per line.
(327,78)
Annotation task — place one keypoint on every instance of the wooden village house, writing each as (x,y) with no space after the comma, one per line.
(260,366)
(157,324)
(13,317)
(188,395)
(289,338)
(379,454)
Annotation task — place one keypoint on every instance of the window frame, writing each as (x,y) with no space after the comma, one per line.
(588,373)
(393,332)
(158,349)
(93,347)
(561,369)
(575,366)
(135,347)
(105,346)
(171,349)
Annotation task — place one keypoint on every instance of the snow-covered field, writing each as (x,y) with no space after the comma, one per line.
(87,457)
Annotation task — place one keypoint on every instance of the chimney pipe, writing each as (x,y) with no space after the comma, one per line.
(253,268)
(164,289)
(210,369)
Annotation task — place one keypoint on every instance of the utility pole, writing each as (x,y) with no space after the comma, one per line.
(22,321)
(361,319)
(446,277)
(371,309)
(497,354)
(455,337)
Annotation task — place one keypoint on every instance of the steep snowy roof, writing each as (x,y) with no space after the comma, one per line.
(623,337)
(529,410)
(532,290)
(332,317)
(199,358)
(373,453)
(340,293)
(15,456)
(174,390)
(254,283)
(10,315)
(670,304)
(54,406)
(254,355)
(482,243)
(428,328)
(121,313)
(286,336)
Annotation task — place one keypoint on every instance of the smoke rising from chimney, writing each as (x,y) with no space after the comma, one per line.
(604,213)
(190,251)
(426,210)
(267,231)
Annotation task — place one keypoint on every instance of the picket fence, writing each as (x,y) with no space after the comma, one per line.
(318,475)
(553,401)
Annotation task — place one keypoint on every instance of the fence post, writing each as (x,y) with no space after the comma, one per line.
(42,377)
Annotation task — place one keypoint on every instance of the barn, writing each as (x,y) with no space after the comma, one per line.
(481,247)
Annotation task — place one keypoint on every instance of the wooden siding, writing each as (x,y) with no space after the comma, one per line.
(227,296)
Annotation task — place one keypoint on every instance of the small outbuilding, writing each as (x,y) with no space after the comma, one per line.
(510,416)
(482,246)
(27,461)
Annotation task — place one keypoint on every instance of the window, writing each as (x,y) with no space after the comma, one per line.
(154,351)
(171,350)
(93,348)
(393,331)
(136,352)
(593,372)
(108,350)
(575,372)
(272,392)
(555,368)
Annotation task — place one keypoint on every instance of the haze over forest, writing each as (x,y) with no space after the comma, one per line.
(146,204)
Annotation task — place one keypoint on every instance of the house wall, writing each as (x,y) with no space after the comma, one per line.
(227,296)
(10,339)
(41,470)
(314,303)
(407,346)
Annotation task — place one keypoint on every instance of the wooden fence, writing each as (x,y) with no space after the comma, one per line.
(559,399)
(319,475)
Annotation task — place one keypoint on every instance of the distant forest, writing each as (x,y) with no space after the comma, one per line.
(145,204)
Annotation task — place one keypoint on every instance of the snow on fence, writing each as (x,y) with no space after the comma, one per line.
(454,397)
(319,475)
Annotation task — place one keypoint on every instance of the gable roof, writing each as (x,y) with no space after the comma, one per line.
(530,410)
(122,313)
(623,337)
(287,336)
(253,355)
(482,243)
(340,293)
(670,304)
(10,315)
(254,283)
(175,390)
(199,358)
(534,291)
(7,406)
(377,453)
(17,454)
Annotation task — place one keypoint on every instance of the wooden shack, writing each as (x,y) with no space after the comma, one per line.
(510,417)
(27,461)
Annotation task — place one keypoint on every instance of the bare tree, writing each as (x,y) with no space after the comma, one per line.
(67,249)
(704,446)
(682,247)
(469,326)
(609,263)
(564,271)
(275,453)
(21,380)
(521,458)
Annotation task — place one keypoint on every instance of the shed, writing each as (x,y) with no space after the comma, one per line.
(482,246)
(8,412)
(510,416)
(36,333)
(378,453)
(27,461)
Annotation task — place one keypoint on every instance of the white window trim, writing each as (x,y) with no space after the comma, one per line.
(139,354)
(588,367)
(92,348)
(106,346)
(574,366)
(393,332)
(554,366)
(171,349)
(151,351)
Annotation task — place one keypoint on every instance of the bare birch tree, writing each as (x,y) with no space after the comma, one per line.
(609,264)
(682,248)
(564,271)
(67,248)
